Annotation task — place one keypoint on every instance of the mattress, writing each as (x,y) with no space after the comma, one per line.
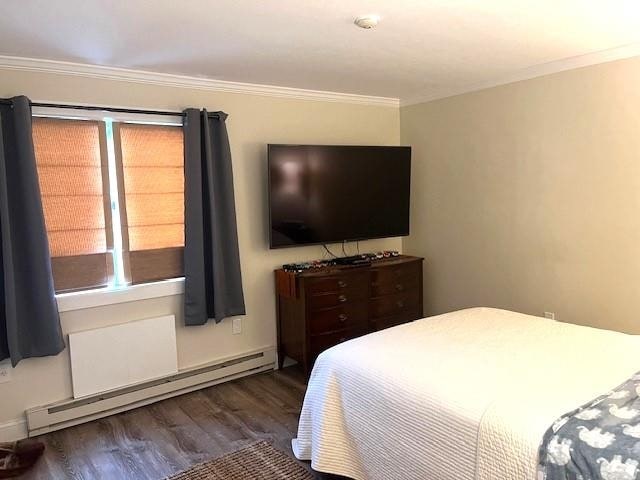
(465,395)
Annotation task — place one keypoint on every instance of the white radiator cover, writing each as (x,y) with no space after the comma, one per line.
(116,356)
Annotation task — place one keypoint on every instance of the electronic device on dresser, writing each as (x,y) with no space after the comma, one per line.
(318,308)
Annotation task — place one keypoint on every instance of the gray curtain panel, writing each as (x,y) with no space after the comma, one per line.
(213,282)
(29,322)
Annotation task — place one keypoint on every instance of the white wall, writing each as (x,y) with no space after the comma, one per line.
(527,196)
(253,122)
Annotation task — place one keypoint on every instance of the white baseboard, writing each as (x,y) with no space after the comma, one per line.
(74,411)
(13,430)
(17,429)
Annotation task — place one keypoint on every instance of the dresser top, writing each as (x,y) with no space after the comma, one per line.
(334,269)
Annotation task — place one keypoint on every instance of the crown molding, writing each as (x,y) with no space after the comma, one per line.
(570,63)
(200,83)
(183,81)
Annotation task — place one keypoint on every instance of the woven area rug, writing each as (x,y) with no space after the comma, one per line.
(258,461)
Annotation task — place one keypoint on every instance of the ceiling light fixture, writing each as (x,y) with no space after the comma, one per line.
(367,21)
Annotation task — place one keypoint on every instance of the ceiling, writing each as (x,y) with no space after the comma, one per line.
(421,49)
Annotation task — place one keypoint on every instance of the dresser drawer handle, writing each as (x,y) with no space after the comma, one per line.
(343,317)
(400,304)
(399,287)
(342,283)
(342,298)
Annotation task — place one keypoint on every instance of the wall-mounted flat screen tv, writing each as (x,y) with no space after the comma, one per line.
(327,194)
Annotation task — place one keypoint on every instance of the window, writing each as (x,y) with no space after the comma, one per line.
(71,162)
(152,161)
(113,200)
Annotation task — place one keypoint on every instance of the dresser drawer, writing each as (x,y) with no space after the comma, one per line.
(396,304)
(334,299)
(393,274)
(338,283)
(401,284)
(319,343)
(351,315)
(404,317)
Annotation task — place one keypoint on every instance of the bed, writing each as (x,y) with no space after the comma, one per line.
(464,395)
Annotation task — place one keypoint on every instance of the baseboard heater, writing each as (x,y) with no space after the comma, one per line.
(80,410)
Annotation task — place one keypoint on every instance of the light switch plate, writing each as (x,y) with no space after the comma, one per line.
(236,326)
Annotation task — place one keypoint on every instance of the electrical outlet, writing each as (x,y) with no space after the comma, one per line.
(550,315)
(5,372)
(236,326)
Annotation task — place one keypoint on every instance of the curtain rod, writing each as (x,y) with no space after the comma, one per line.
(107,109)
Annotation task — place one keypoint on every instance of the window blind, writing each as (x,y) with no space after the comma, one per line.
(72,168)
(151,161)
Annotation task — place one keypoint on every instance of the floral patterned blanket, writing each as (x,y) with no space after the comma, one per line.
(598,441)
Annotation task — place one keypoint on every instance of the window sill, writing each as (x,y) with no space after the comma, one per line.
(109,296)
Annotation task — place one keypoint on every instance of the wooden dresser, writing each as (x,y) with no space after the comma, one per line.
(318,309)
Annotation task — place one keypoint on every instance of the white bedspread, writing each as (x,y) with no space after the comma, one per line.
(465,395)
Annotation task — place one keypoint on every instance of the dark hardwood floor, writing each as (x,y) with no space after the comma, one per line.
(157,440)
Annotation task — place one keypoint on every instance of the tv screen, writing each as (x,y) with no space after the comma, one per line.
(325,194)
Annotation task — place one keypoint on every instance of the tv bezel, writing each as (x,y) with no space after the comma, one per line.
(343,240)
